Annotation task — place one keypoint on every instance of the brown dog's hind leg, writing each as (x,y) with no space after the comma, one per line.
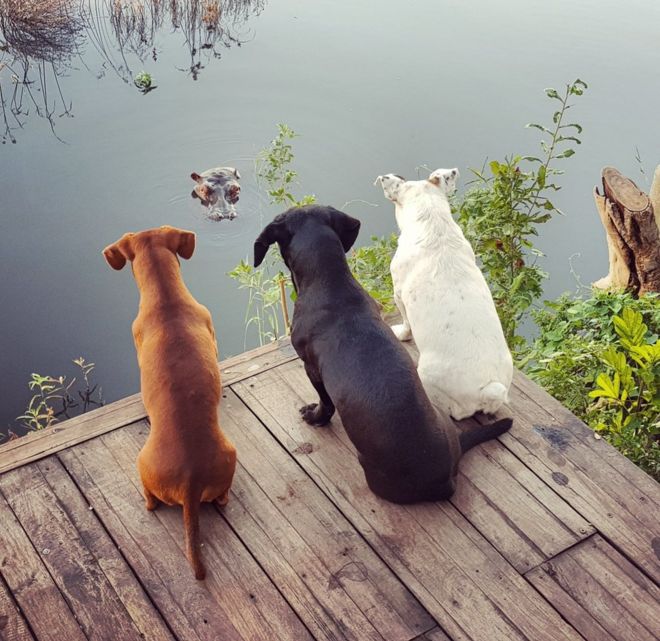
(223,499)
(151,501)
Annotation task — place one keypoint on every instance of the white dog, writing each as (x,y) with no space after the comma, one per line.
(464,362)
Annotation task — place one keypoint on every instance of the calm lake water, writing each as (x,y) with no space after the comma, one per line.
(372,87)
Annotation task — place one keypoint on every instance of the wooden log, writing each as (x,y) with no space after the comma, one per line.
(633,233)
(654,195)
(619,276)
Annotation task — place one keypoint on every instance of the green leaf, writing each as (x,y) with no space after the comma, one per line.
(535,125)
(552,93)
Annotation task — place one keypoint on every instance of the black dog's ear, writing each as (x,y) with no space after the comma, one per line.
(346,226)
(272,233)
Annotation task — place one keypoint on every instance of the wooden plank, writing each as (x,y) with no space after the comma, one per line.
(516,511)
(602,594)
(645,487)
(334,581)
(436,634)
(59,526)
(12,624)
(36,445)
(593,487)
(41,603)
(465,584)
(237,600)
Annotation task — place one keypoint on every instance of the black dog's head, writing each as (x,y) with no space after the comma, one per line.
(313,221)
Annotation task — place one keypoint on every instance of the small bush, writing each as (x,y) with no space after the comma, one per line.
(600,357)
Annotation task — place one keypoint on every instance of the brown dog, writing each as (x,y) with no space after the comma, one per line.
(187,458)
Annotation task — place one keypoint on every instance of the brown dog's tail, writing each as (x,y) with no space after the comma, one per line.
(191,527)
(471,436)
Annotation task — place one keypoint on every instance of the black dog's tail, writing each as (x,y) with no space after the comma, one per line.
(471,436)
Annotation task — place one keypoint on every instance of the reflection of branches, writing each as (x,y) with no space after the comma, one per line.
(205,24)
(38,38)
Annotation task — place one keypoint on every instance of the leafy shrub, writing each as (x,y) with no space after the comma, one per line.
(600,357)
(56,398)
(371,267)
(501,213)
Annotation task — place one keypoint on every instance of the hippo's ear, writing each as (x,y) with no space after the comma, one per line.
(346,227)
(186,245)
(196,177)
(238,176)
(118,253)
(275,232)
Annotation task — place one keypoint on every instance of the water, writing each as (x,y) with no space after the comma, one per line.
(372,88)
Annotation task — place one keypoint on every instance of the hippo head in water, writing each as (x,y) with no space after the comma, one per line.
(218,189)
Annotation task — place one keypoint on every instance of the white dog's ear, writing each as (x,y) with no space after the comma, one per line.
(391,184)
(446,179)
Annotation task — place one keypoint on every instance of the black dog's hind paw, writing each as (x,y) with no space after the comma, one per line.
(313,416)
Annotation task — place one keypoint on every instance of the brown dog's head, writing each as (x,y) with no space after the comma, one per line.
(178,241)
(309,223)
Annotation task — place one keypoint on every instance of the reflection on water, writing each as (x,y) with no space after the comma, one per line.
(40,39)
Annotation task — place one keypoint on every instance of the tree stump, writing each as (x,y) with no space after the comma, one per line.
(631,220)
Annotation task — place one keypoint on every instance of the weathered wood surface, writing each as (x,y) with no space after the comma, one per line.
(453,570)
(35,592)
(237,600)
(552,535)
(618,499)
(600,593)
(36,445)
(308,547)
(12,624)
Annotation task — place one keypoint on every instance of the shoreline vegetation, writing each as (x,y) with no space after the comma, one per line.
(596,351)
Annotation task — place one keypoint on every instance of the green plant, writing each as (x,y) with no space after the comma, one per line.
(577,337)
(264,298)
(267,285)
(56,397)
(627,406)
(501,213)
(273,166)
(144,82)
(371,267)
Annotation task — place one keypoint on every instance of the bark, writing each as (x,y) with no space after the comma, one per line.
(633,234)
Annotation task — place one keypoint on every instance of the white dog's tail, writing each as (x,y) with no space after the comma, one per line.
(493,396)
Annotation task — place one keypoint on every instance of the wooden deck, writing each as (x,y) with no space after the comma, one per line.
(551,536)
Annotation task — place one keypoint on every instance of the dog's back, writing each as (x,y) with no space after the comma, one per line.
(409,451)
(186,458)
(464,363)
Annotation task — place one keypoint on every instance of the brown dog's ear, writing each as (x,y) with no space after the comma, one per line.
(114,256)
(346,226)
(186,245)
(272,233)
(118,253)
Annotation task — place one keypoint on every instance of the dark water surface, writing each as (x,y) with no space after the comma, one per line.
(373,87)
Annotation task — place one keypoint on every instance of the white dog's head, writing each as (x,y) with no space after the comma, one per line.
(394,185)
(446,179)
(391,184)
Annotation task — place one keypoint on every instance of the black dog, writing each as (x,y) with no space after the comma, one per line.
(408,451)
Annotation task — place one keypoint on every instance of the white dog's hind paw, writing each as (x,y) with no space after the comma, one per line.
(402,332)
